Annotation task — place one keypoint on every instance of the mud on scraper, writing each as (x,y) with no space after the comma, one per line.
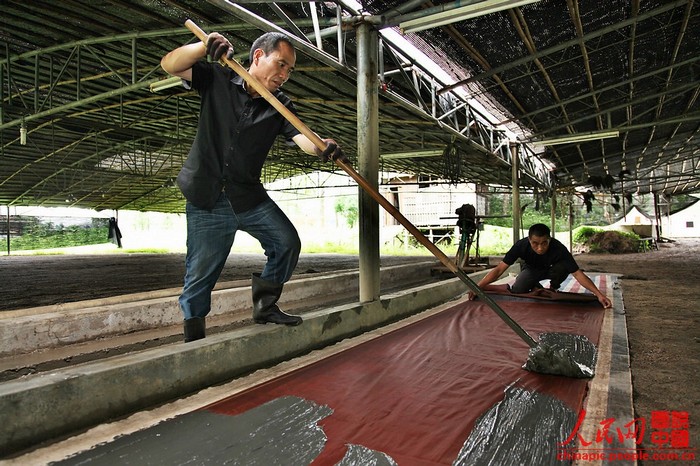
(563,354)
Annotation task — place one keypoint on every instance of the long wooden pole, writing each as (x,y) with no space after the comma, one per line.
(388,206)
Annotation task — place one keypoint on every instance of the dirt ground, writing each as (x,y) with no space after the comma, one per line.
(30,281)
(660,291)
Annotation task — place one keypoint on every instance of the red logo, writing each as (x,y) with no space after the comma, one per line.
(668,433)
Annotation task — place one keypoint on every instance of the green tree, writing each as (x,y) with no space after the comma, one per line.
(537,209)
(347,207)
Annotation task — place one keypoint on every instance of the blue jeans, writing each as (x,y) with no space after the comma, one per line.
(210,235)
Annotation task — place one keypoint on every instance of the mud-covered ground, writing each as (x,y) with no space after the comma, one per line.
(660,290)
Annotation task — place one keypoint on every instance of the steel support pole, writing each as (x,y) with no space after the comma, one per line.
(515,179)
(8,229)
(36,83)
(571,226)
(2,93)
(317,28)
(368,158)
(339,34)
(553,213)
(657,217)
(134,60)
(9,76)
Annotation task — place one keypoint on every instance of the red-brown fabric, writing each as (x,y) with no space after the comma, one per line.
(542,293)
(416,393)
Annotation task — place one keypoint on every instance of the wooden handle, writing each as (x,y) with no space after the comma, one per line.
(437,252)
(364,184)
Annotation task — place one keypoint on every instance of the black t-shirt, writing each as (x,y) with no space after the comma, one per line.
(234,135)
(556,253)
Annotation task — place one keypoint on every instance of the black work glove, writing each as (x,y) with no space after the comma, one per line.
(217,46)
(331,152)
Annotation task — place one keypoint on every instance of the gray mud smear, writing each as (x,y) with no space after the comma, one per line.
(357,455)
(283,431)
(524,428)
(563,354)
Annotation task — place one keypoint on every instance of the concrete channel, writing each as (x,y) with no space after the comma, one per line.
(47,405)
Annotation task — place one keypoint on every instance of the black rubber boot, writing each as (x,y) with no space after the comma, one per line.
(265,309)
(194,329)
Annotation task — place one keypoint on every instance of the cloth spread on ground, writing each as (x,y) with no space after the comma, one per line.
(570,291)
(416,393)
(412,396)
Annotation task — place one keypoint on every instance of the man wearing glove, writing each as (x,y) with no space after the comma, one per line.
(221,177)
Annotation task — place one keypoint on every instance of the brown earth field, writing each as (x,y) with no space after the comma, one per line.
(660,292)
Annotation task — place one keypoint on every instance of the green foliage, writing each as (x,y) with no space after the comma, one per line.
(532,212)
(38,235)
(602,213)
(583,234)
(681,201)
(347,207)
(146,251)
(329,248)
(630,235)
(493,241)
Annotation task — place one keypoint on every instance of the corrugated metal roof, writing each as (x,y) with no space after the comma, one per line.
(77,75)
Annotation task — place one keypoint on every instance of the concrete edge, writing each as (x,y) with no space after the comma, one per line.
(620,398)
(72,445)
(34,329)
(42,407)
(610,391)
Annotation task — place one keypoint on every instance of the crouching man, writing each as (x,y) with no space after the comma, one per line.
(545,258)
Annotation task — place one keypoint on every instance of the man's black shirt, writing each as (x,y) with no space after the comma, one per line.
(234,135)
(556,253)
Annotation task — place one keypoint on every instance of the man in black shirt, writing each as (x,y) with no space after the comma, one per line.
(545,258)
(221,177)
